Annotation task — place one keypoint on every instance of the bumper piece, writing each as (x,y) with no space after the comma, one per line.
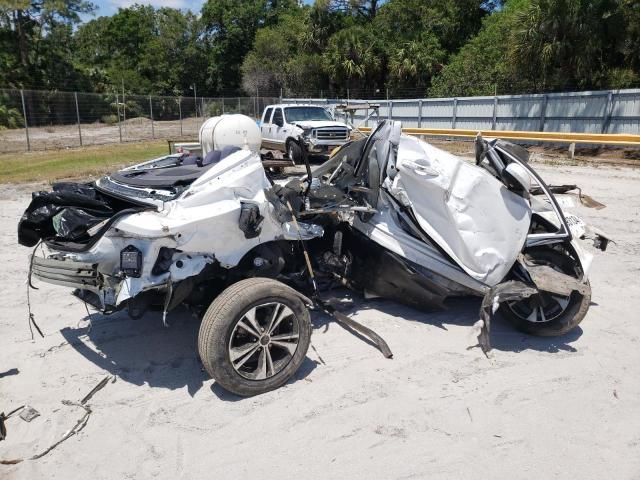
(66,273)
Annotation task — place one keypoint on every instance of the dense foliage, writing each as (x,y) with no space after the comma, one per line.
(331,47)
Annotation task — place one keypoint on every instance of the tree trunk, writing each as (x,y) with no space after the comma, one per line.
(23,45)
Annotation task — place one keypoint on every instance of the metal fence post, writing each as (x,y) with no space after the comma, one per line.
(494,120)
(26,124)
(255,105)
(75,95)
(543,112)
(454,117)
(153,132)
(617,107)
(608,112)
(119,124)
(180,113)
(124,110)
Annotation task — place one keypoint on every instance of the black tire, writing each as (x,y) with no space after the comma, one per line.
(569,316)
(294,151)
(221,321)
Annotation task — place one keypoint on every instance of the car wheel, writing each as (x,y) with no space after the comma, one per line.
(294,151)
(254,336)
(549,314)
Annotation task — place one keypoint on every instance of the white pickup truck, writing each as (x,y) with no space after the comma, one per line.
(292,127)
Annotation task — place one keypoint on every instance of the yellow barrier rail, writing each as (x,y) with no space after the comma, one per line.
(553,137)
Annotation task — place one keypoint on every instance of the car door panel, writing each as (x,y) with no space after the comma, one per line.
(266,129)
(278,133)
(468,213)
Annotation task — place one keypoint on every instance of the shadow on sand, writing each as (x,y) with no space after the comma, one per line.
(144,352)
(459,312)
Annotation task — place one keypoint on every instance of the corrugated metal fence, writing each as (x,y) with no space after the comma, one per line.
(609,111)
(37,120)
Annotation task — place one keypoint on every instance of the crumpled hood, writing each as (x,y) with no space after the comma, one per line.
(319,124)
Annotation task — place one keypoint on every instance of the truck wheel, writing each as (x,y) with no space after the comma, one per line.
(294,151)
(547,314)
(254,336)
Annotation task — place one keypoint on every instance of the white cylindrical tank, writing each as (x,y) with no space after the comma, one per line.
(230,130)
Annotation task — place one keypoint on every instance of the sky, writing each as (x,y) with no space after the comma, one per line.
(109,7)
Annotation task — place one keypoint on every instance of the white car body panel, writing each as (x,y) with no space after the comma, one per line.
(383,230)
(467,212)
(202,223)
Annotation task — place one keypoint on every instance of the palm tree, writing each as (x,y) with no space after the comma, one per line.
(353,56)
(413,63)
(566,43)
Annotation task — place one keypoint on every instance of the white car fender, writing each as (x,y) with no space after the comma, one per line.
(586,258)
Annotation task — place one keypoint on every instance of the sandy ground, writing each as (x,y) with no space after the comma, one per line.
(542,408)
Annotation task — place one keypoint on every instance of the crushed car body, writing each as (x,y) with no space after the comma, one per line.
(387,215)
(158,240)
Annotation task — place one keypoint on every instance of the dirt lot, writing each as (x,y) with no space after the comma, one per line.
(66,136)
(544,408)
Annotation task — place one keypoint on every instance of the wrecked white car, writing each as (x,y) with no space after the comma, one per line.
(387,215)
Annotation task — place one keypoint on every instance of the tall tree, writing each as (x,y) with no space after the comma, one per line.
(155,51)
(445,47)
(264,67)
(353,59)
(452,23)
(568,44)
(35,41)
(231,27)
(366,8)
(631,13)
(412,63)
(482,66)
(321,23)
(288,55)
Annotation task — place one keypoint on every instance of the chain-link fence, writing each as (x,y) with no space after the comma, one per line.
(40,120)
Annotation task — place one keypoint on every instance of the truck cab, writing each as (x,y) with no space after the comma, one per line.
(295,128)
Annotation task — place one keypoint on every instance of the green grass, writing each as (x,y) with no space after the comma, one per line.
(75,163)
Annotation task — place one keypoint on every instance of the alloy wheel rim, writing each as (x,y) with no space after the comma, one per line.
(542,307)
(264,341)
